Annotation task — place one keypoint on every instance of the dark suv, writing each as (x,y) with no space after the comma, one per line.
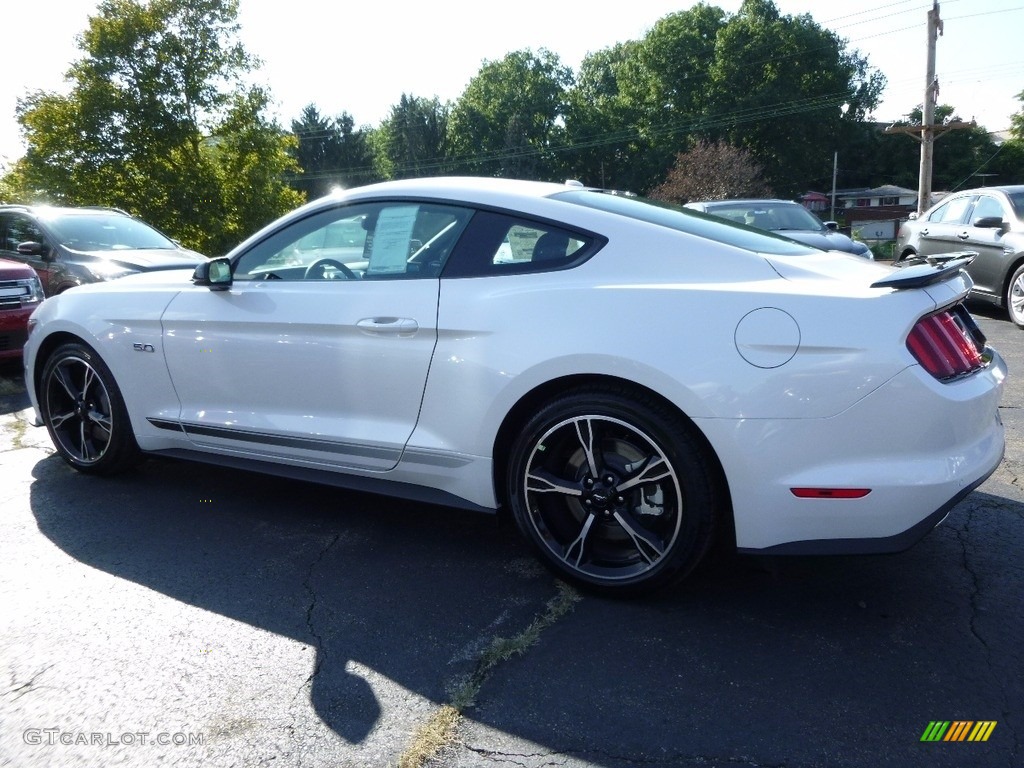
(72,246)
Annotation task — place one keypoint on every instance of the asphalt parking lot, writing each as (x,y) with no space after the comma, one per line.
(193,616)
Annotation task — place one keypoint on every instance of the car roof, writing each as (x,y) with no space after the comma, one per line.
(62,209)
(472,187)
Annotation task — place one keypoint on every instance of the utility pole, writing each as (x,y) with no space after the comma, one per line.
(928,130)
(931,89)
(835,170)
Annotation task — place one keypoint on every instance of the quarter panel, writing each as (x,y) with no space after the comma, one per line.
(499,338)
(123,327)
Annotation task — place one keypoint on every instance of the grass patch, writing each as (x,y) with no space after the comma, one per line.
(437,733)
(440,730)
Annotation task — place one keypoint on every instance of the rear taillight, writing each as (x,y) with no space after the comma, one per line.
(947,344)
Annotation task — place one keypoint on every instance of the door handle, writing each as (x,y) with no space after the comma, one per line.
(963,235)
(388,326)
(924,231)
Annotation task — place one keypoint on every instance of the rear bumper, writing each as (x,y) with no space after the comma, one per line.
(918,445)
(878,546)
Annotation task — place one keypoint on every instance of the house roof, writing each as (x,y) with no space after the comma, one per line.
(886,190)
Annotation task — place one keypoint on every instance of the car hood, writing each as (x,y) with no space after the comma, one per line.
(827,241)
(148,259)
(14,270)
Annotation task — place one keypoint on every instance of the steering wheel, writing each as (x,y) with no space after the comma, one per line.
(315,271)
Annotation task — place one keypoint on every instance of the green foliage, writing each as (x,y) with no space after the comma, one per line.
(158,122)
(331,153)
(602,144)
(1017,121)
(413,140)
(506,123)
(779,85)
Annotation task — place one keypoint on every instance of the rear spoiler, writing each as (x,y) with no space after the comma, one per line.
(927,271)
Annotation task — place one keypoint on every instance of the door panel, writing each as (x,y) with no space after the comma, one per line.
(989,268)
(319,351)
(331,371)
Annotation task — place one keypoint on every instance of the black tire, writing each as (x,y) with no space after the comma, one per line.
(84,412)
(1015,296)
(613,490)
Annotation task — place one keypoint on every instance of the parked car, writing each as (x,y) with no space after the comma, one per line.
(627,379)
(988,221)
(785,218)
(20,293)
(73,246)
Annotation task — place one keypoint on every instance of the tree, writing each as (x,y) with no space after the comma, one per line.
(787,90)
(506,121)
(252,157)
(603,144)
(781,87)
(1009,163)
(666,86)
(151,119)
(712,171)
(331,152)
(414,139)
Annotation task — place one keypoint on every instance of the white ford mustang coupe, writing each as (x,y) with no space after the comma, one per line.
(627,379)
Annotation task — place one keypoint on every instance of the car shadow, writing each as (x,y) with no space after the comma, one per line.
(13,395)
(402,588)
(399,587)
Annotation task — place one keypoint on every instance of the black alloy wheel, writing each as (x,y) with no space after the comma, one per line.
(613,490)
(84,413)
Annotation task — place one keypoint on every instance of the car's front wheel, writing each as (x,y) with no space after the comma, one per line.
(613,490)
(1015,296)
(84,412)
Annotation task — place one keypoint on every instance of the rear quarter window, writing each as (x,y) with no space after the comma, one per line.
(689,221)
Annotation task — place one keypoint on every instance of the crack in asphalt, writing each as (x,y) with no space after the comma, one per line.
(962,537)
(308,586)
(17,690)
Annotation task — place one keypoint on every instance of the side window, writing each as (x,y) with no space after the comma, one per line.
(987,206)
(497,244)
(358,242)
(952,212)
(20,229)
(524,244)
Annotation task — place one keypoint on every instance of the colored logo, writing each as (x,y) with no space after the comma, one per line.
(958,730)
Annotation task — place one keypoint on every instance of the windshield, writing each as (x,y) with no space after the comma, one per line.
(764,214)
(689,221)
(106,232)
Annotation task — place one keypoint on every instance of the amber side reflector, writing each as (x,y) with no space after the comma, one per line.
(830,493)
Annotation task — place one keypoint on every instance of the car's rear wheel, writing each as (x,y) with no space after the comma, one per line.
(1015,296)
(84,412)
(613,490)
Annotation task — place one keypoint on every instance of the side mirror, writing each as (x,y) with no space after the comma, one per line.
(912,216)
(831,225)
(32,248)
(989,222)
(215,274)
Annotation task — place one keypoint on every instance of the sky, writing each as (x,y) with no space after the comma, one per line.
(360,57)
